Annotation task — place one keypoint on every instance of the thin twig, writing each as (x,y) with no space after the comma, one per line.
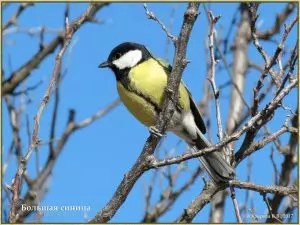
(287,167)
(273,189)
(13,19)
(250,135)
(235,204)
(211,189)
(268,205)
(33,31)
(35,141)
(171,25)
(38,184)
(17,76)
(211,77)
(152,16)
(227,67)
(280,18)
(268,62)
(15,125)
(169,197)
(70,30)
(206,195)
(25,91)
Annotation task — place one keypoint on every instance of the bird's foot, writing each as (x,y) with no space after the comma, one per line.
(156,132)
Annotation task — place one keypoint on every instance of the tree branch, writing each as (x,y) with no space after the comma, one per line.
(38,183)
(280,18)
(280,190)
(211,189)
(70,30)
(286,167)
(13,19)
(169,197)
(152,16)
(10,84)
(268,62)
(207,193)
(211,78)
(255,146)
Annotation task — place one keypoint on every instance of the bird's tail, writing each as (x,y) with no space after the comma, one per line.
(215,164)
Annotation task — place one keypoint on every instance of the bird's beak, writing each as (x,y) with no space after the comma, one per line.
(105,64)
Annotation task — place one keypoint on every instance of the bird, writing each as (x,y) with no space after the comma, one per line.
(141,82)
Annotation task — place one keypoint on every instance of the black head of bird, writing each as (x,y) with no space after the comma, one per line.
(126,56)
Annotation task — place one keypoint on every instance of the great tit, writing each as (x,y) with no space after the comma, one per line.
(141,82)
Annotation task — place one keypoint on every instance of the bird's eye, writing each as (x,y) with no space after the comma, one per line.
(118,55)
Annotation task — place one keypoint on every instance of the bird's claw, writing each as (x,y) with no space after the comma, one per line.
(155,132)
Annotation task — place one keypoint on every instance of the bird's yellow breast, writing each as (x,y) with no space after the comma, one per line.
(148,81)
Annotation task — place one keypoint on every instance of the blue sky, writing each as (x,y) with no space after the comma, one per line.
(96,158)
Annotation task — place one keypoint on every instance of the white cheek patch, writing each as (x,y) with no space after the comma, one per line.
(128,60)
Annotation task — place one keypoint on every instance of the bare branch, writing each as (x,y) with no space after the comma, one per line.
(169,197)
(267,69)
(9,85)
(211,189)
(237,100)
(38,183)
(255,146)
(99,114)
(13,19)
(268,62)
(25,91)
(54,114)
(207,193)
(235,204)
(268,206)
(15,125)
(280,190)
(152,16)
(211,77)
(171,25)
(70,30)
(280,18)
(32,31)
(286,168)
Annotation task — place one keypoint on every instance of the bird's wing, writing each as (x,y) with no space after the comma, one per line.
(194,108)
(196,113)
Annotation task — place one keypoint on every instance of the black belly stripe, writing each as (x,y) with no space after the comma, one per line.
(147,99)
(124,80)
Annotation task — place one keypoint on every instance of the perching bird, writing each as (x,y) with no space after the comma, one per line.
(141,82)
